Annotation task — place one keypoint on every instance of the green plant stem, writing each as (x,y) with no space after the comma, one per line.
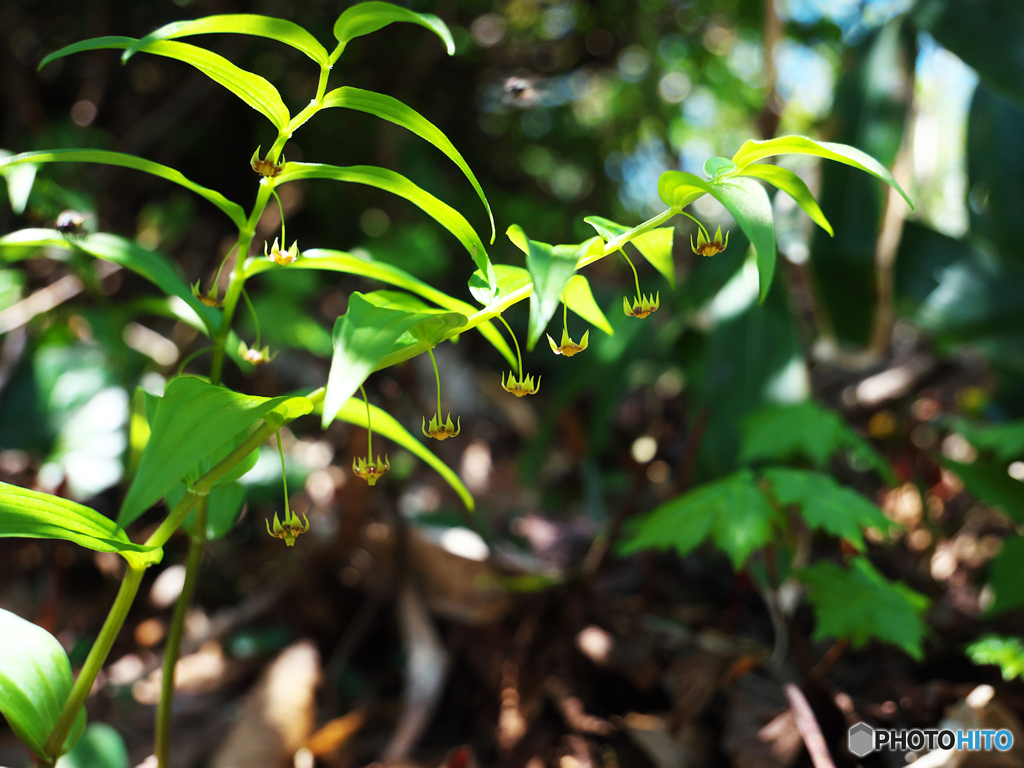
(190,358)
(700,226)
(519,356)
(162,738)
(369,427)
(252,313)
(438,377)
(280,212)
(284,477)
(636,277)
(95,660)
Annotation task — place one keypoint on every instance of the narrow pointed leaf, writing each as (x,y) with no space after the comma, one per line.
(655,245)
(794,186)
(354,412)
(281,30)
(254,90)
(193,420)
(397,184)
(752,151)
(365,18)
(551,268)
(232,209)
(19,182)
(363,337)
(34,515)
(579,299)
(392,110)
(35,682)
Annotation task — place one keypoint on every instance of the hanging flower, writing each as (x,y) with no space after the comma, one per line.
(290,528)
(255,356)
(568,347)
(642,306)
(278,256)
(210,300)
(706,246)
(371,471)
(439,430)
(521,387)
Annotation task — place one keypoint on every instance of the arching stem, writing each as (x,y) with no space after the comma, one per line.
(280,211)
(438,377)
(190,358)
(252,312)
(369,427)
(284,477)
(519,356)
(636,277)
(699,225)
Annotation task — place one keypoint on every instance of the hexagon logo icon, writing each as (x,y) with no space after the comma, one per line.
(862,739)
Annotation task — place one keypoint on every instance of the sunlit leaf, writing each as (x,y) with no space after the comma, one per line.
(35,681)
(1007,653)
(397,184)
(655,245)
(752,151)
(793,186)
(393,110)
(434,328)
(105,157)
(510,280)
(859,603)
(19,182)
(365,18)
(579,299)
(550,268)
(283,31)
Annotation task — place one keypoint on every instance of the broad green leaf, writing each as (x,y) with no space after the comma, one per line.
(714,167)
(1007,653)
(363,337)
(391,109)
(365,18)
(992,484)
(1006,576)
(194,420)
(509,280)
(825,505)
(254,90)
(222,507)
(100,747)
(677,189)
(579,299)
(433,329)
(1005,441)
(283,31)
(19,182)
(34,515)
(860,604)
(233,210)
(733,512)
(397,184)
(35,682)
(752,151)
(338,261)
(655,245)
(354,412)
(152,265)
(550,268)
(804,431)
(793,186)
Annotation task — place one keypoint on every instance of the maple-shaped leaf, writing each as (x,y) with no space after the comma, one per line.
(804,431)
(859,603)
(825,505)
(1005,652)
(734,512)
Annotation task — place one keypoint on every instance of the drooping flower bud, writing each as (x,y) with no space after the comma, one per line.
(568,347)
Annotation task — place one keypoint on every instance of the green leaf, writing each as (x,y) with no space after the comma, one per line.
(1007,653)
(860,604)
(1005,441)
(338,261)
(1006,575)
(283,31)
(194,420)
(365,18)
(509,280)
(714,167)
(354,412)
(733,512)
(34,515)
(825,505)
(793,186)
(35,681)
(392,110)
(19,183)
(433,329)
(397,184)
(655,245)
(100,747)
(254,90)
(804,431)
(579,299)
(752,151)
(233,210)
(222,506)
(550,269)
(991,483)
(152,265)
(363,337)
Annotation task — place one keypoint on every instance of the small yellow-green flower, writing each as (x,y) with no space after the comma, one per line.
(278,256)
(255,356)
(705,247)
(643,306)
(521,387)
(265,167)
(568,347)
(441,431)
(210,300)
(289,529)
(371,471)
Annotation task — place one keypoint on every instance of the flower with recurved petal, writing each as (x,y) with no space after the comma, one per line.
(439,430)
(278,256)
(255,356)
(371,471)
(265,167)
(522,387)
(706,247)
(568,347)
(643,306)
(290,528)
(210,300)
